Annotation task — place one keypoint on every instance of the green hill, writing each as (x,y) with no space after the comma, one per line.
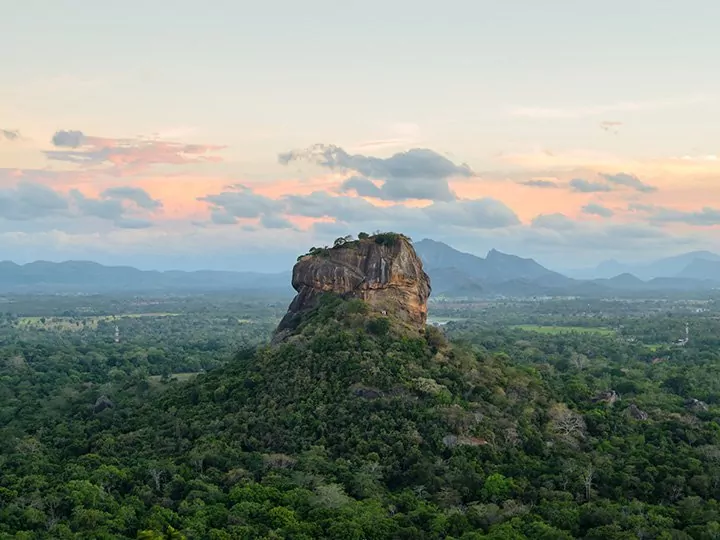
(350,430)
(353,429)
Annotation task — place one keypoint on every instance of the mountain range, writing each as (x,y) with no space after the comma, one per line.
(674,266)
(91,277)
(453,273)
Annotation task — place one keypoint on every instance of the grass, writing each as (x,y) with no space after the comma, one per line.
(564,329)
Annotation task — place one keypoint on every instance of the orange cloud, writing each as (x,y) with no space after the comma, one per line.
(126,157)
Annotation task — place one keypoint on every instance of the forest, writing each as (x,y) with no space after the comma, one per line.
(172,417)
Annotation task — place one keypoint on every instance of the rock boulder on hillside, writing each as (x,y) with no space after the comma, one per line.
(382,270)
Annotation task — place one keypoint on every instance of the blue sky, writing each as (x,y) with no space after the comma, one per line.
(182,100)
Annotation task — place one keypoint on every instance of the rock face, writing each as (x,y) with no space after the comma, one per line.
(385,273)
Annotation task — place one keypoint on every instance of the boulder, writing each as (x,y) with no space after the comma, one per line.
(382,270)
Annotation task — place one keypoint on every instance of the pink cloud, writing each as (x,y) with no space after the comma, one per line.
(126,157)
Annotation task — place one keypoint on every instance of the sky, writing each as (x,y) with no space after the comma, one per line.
(236,135)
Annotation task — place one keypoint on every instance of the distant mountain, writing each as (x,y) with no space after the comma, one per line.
(90,277)
(452,273)
(605,270)
(439,255)
(672,266)
(624,281)
(665,267)
(455,273)
(453,282)
(704,269)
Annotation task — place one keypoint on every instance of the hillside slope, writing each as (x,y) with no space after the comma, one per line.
(347,417)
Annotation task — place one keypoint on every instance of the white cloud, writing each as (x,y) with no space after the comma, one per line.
(583,111)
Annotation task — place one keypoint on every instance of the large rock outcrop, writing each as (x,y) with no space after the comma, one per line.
(383,270)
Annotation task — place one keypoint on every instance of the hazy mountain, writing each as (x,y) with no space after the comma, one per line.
(439,255)
(623,281)
(704,269)
(672,266)
(452,273)
(454,282)
(495,267)
(456,273)
(85,276)
(665,267)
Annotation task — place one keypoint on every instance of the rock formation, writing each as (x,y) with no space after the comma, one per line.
(382,270)
(609,397)
(635,412)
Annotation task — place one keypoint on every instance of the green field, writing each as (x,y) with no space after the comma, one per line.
(180,377)
(71,323)
(564,329)
(442,320)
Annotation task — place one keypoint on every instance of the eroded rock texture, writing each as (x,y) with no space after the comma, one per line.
(389,277)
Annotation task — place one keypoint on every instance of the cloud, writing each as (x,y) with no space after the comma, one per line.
(362,186)
(220,217)
(589,238)
(419,173)
(9,134)
(402,134)
(320,204)
(556,222)
(629,180)
(586,186)
(484,213)
(275,222)
(545,184)
(137,195)
(111,209)
(239,202)
(594,209)
(611,126)
(68,139)
(611,182)
(705,217)
(133,223)
(597,110)
(29,201)
(243,202)
(126,156)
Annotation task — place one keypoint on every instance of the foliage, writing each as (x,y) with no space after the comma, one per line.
(381,238)
(388,238)
(349,430)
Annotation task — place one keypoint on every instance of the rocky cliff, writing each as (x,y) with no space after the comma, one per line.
(383,270)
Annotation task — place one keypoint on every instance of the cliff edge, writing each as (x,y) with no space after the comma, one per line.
(383,270)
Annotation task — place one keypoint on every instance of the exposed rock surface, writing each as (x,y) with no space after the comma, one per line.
(387,275)
(696,405)
(609,397)
(637,413)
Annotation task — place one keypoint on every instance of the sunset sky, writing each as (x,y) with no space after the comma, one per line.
(235,135)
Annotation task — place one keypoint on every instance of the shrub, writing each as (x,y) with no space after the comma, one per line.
(379,326)
(387,238)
